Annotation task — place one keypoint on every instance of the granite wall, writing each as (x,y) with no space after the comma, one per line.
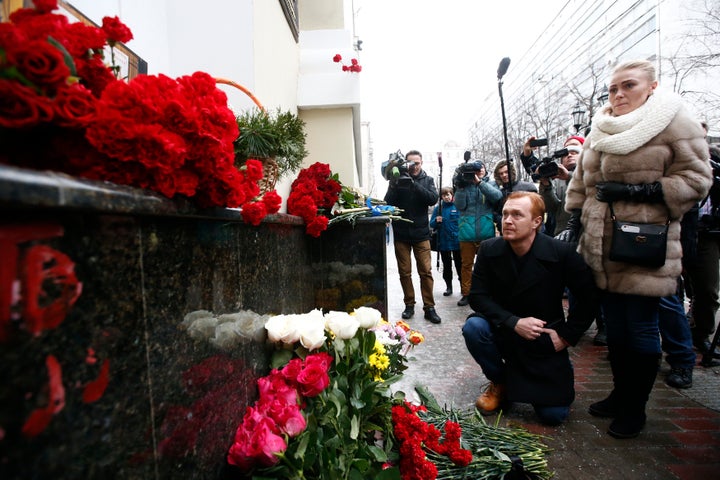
(131,326)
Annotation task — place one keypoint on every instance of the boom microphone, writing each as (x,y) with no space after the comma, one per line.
(466,155)
(502,69)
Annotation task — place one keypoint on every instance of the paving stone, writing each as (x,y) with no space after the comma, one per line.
(680,441)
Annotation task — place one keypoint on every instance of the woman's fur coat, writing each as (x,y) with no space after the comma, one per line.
(658,142)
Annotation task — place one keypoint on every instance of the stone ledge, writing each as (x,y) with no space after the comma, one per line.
(31,189)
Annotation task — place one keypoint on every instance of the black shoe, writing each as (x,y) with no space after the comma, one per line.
(463,301)
(627,426)
(679,377)
(703,346)
(608,408)
(408,312)
(600,339)
(447,292)
(431,314)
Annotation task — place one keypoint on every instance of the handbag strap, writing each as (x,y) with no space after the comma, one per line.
(612,214)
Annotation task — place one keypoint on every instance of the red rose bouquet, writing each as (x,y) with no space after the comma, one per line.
(312,196)
(62,108)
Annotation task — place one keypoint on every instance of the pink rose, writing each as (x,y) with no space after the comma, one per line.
(288,418)
(275,387)
(266,444)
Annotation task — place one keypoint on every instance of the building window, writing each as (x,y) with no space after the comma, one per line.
(290,9)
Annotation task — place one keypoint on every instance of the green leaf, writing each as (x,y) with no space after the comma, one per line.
(67,58)
(354,427)
(280,358)
(378,453)
(302,446)
(392,473)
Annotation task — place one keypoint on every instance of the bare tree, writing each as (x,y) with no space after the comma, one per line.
(695,54)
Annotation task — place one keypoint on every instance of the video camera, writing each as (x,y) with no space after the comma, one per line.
(548,167)
(465,174)
(396,170)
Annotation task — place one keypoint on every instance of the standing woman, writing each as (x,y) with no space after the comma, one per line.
(647,158)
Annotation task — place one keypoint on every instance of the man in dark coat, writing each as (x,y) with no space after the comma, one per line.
(414,195)
(519,334)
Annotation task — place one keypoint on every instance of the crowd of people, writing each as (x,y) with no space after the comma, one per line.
(538,262)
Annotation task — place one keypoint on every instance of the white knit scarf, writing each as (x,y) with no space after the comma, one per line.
(626,133)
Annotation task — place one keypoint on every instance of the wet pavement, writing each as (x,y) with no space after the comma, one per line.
(680,441)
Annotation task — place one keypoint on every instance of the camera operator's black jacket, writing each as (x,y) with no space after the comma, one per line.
(505,289)
(414,200)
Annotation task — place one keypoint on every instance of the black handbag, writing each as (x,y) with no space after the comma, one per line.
(643,244)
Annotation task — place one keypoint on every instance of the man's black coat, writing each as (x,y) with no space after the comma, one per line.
(415,201)
(505,289)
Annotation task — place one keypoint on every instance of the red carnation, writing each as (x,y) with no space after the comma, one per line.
(254,212)
(115,30)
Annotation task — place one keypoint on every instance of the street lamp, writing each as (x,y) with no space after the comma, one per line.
(604,95)
(578,115)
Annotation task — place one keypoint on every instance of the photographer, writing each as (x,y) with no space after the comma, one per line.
(553,187)
(475,199)
(412,190)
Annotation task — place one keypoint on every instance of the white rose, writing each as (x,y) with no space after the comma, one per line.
(342,324)
(282,328)
(311,329)
(368,317)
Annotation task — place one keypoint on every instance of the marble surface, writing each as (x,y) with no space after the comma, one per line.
(131,325)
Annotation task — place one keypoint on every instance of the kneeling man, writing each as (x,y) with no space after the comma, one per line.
(518,332)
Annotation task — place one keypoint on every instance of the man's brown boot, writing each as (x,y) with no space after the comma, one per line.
(491,398)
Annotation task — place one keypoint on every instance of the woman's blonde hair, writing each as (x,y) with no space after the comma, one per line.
(644,65)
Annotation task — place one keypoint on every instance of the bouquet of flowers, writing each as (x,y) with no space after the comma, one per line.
(352,205)
(318,196)
(312,195)
(61,108)
(324,411)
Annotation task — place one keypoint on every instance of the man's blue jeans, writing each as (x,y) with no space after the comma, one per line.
(631,322)
(480,342)
(675,333)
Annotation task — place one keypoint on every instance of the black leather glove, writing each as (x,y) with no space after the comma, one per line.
(643,192)
(572,231)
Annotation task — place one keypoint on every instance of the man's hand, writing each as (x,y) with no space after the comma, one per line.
(527,149)
(529,328)
(558,342)
(563,173)
(438,219)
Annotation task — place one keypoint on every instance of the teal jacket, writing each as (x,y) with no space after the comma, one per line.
(475,204)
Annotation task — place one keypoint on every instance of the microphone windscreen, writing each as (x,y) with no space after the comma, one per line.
(504,64)
(466,155)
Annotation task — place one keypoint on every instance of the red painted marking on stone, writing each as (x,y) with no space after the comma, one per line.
(40,418)
(94,390)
